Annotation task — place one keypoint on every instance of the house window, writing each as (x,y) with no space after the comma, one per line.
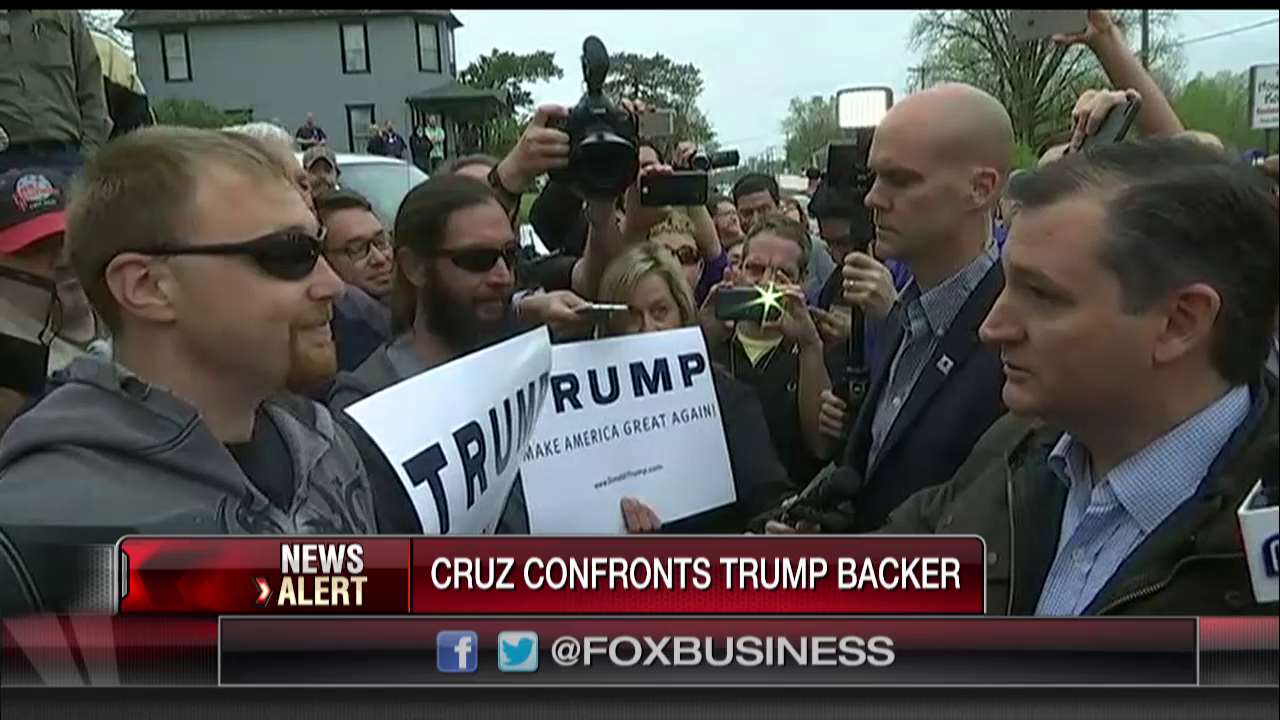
(453,56)
(428,47)
(359,118)
(355,47)
(176,52)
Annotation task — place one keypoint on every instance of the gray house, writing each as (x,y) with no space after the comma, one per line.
(350,68)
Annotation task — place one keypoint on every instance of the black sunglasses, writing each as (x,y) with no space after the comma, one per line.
(687,255)
(482,260)
(287,255)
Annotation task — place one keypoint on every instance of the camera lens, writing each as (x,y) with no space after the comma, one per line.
(607,164)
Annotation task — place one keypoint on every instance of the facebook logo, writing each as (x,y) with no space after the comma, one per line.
(518,651)
(1271,556)
(456,651)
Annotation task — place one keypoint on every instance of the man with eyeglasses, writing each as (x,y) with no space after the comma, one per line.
(203,259)
(725,216)
(359,249)
(781,358)
(356,245)
(455,280)
(757,196)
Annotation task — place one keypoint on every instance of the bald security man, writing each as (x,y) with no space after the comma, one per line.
(935,389)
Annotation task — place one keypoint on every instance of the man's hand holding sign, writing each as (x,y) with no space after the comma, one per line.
(586,425)
(631,418)
(455,434)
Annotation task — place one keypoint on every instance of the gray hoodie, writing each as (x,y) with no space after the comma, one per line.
(104,453)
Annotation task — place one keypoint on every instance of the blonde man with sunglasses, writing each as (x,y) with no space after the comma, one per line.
(204,261)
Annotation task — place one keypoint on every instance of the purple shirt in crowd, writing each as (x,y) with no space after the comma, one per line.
(712,273)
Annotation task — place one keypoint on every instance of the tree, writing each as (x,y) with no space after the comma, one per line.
(809,126)
(191,113)
(511,72)
(1037,82)
(104,21)
(662,83)
(1219,104)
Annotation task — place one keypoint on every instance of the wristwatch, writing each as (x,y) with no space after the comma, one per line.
(507,196)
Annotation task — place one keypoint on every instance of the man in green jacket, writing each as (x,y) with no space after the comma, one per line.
(1134,323)
(53,106)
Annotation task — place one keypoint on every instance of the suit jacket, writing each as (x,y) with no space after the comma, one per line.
(955,399)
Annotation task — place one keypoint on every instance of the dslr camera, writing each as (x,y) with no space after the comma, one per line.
(603,138)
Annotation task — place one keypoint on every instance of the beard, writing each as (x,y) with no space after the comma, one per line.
(312,362)
(455,321)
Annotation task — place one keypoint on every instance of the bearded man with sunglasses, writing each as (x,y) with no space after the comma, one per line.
(455,281)
(203,259)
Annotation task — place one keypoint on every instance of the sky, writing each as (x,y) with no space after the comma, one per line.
(754,61)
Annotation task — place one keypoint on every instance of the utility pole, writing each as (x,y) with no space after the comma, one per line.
(1146,32)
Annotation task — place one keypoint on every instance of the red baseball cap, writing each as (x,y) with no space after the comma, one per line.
(33,204)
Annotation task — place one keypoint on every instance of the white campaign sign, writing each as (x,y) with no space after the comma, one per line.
(455,434)
(1264,87)
(631,416)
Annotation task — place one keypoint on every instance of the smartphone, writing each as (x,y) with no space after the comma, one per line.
(743,303)
(657,123)
(1114,126)
(1026,25)
(600,311)
(682,189)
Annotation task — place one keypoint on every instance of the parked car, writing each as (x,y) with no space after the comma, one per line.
(384,181)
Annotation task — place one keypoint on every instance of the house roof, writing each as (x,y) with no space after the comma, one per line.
(471,104)
(139,19)
(454,90)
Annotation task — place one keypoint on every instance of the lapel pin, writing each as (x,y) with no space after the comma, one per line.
(945,364)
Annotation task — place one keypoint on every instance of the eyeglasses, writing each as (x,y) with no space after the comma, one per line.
(686,255)
(286,255)
(358,251)
(482,260)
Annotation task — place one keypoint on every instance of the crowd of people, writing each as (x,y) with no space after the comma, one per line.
(1075,362)
(425,146)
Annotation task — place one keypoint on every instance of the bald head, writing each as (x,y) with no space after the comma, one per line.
(958,121)
(940,158)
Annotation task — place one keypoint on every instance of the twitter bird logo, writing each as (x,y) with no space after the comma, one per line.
(518,651)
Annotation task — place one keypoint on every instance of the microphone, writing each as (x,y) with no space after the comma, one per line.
(1259,516)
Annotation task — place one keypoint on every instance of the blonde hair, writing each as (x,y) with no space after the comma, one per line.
(268,133)
(648,258)
(676,223)
(136,194)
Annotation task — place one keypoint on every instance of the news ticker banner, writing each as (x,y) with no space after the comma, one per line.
(638,574)
(666,651)
(168,651)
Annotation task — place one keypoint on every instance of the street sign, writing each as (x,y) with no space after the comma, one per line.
(1264,97)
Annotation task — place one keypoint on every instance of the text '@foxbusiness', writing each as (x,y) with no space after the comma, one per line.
(626,651)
